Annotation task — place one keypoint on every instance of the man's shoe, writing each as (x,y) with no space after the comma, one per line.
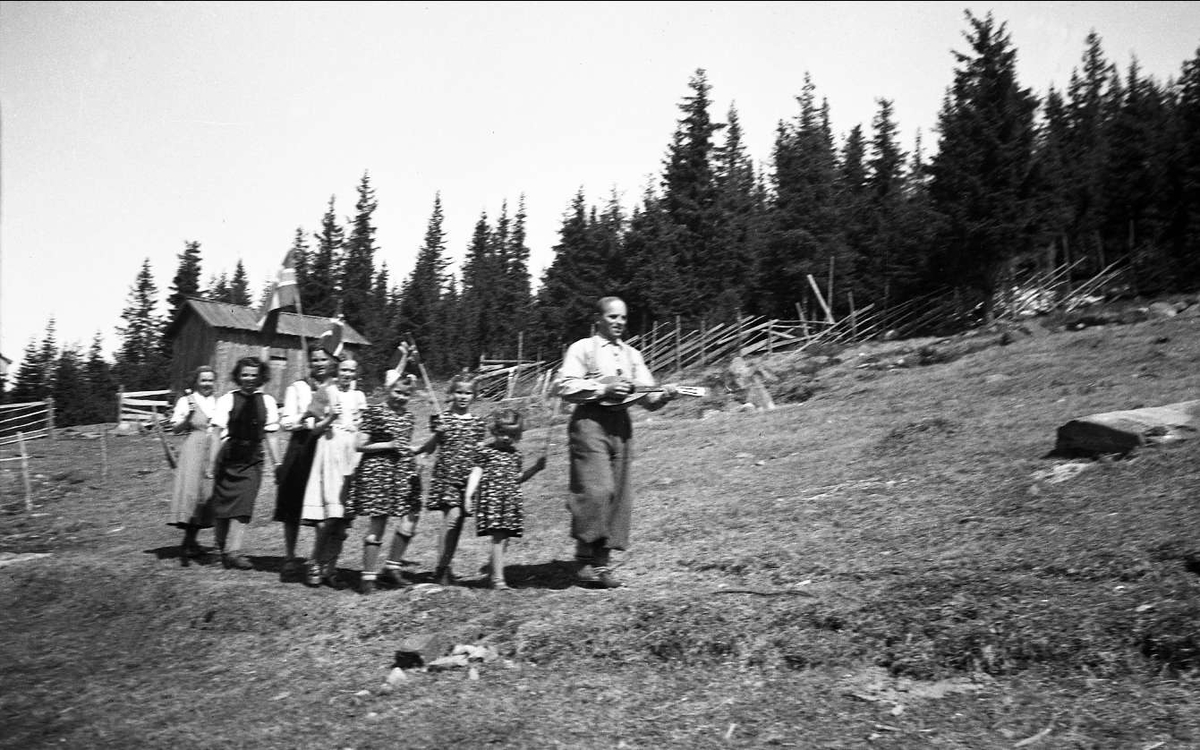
(606,579)
(587,577)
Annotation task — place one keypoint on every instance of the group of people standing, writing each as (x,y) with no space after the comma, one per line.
(347,459)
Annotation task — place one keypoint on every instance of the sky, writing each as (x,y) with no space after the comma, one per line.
(129,129)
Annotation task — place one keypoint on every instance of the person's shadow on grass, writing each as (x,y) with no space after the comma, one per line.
(556,574)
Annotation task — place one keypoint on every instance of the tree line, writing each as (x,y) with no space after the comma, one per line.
(1105,171)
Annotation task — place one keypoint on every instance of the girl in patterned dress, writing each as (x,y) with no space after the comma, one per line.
(386,482)
(493,488)
(456,433)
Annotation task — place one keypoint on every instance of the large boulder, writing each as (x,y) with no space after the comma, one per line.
(1123,431)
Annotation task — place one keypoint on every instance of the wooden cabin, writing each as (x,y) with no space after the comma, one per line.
(219,334)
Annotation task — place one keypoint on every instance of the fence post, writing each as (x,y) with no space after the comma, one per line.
(704,342)
(853,317)
(49,402)
(520,346)
(653,343)
(678,343)
(25,472)
(104,452)
(740,335)
(120,403)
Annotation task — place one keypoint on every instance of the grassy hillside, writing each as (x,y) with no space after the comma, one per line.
(894,562)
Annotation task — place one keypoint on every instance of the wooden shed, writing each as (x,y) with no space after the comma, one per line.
(219,334)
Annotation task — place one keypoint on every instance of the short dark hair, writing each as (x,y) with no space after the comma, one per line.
(507,421)
(264,372)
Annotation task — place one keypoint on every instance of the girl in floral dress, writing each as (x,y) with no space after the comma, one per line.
(456,434)
(386,482)
(493,488)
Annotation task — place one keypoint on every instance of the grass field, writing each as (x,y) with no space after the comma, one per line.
(893,562)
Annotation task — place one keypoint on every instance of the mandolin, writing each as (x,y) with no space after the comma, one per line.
(639,391)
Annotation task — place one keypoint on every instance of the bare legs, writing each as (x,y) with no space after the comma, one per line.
(499,546)
(452,524)
(229,534)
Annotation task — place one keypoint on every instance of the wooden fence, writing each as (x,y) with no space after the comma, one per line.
(671,347)
(30,420)
(145,409)
(20,423)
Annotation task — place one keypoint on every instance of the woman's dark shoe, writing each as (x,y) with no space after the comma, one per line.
(335,582)
(394,578)
(236,560)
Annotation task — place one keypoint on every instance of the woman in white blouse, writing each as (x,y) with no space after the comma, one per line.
(190,507)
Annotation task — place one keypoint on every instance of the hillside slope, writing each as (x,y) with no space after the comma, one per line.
(894,562)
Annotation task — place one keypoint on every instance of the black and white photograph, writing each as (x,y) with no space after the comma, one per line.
(599,375)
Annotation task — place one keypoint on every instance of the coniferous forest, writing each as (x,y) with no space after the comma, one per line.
(1104,172)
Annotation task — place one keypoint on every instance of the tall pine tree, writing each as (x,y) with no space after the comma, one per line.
(140,361)
(239,285)
(981,185)
(358,261)
(320,293)
(187,279)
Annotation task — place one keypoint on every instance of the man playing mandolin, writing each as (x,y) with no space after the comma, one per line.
(603,376)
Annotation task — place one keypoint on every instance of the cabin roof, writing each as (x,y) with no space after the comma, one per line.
(242,318)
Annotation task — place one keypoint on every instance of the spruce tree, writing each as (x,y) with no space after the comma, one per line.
(358,261)
(187,279)
(69,388)
(35,374)
(571,283)
(895,267)
(101,385)
(738,238)
(803,228)
(239,285)
(422,292)
(218,289)
(1183,178)
(479,274)
(140,361)
(861,272)
(301,255)
(658,288)
(981,183)
(1088,97)
(689,195)
(320,293)
(1135,182)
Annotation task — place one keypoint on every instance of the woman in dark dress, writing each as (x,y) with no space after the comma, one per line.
(242,420)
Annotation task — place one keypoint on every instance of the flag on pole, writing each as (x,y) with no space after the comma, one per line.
(285,295)
(331,339)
